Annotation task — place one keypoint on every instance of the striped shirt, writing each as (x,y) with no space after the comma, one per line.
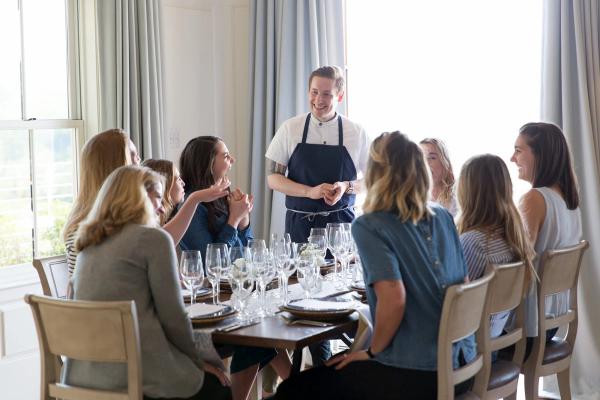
(481,249)
(71,252)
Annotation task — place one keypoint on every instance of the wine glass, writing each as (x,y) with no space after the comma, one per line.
(281,257)
(307,274)
(319,245)
(190,269)
(318,232)
(337,243)
(240,278)
(213,270)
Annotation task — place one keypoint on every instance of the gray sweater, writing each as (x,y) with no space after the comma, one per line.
(139,263)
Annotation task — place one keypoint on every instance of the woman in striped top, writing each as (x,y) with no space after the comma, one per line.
(490,227)
(101,155)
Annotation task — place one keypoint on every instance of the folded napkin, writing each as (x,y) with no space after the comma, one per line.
(312,304)
(201,309)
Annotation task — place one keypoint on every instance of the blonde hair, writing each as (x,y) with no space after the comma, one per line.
(397,178)
(167,169)
(445,196)
(101,155)
(122,199)
(486,201)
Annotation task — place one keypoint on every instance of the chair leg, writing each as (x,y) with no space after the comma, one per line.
(564,384)
(531,386)
(511,396)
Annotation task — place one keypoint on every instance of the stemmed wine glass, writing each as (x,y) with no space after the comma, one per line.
(217,265)
(240,278)
(307,273)
(190,269)
(285,265)
(337,245)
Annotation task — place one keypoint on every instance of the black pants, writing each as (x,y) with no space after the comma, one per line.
(211,389)
(363,380)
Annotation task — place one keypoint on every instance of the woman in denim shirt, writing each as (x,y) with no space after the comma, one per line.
(411,254)
(204,162)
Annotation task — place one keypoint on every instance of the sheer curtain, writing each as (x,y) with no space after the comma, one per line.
(570,98)
(288,40)
(130,84)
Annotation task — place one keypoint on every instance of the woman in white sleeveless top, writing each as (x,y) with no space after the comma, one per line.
(550,209)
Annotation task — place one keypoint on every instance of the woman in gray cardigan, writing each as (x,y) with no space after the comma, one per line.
(123,256)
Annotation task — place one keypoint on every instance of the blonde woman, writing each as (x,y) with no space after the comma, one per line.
(101,155)
(438,159)
(120,247)
(177,220)
(411,253)
(490,227)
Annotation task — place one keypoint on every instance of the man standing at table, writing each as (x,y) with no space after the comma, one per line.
(323,153)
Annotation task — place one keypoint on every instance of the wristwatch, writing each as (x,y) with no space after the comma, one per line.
(350,188)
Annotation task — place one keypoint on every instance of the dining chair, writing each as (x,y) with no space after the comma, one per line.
(461,316)
(54,275)
(559,272)
(499,379)
(87,331)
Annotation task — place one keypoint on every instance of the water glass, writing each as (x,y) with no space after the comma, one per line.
(190,269)
(307,274)
(213,270)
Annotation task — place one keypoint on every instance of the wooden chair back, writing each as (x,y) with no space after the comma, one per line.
(54,275)
(87,331)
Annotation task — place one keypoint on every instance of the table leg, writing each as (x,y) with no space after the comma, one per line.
(296,361)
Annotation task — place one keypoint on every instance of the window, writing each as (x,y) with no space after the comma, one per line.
(466,71)
(38,127)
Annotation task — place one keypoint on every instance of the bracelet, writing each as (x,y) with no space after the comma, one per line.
(370,353)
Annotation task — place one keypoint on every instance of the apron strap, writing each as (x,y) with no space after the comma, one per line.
(340,131)
(305,132)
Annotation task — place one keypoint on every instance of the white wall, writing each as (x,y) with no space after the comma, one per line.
(206,69)
(19,357)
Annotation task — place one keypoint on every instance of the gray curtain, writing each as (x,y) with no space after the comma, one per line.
(570,98)
(130,82)
(288,40)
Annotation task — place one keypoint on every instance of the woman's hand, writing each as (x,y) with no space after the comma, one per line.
(340,361)
(214,192)
(240,205)
(219,373)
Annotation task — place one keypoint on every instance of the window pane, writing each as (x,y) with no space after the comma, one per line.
(10,48)
(54,186)
(45,59)
(16,217)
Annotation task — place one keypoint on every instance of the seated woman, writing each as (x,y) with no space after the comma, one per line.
(550,210)
(442,185)
(101,155)
(490,227)
(123,256)
(410,253)
(204,162)
(178,214)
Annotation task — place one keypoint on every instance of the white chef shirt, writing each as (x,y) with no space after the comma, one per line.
(290,132)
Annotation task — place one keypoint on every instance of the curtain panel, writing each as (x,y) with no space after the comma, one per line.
(130,83)
(288,40)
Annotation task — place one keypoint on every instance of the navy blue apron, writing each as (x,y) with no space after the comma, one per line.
(311,165)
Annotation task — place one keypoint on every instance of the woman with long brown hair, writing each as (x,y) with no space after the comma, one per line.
(490,227)
(550,210)
(101,155)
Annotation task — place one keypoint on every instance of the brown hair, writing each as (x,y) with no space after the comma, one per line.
(333,72)
(101,155)
(552,160)
(167,169)
(397,178)
(445,197)
(196,168)
(122,199)
(486,201)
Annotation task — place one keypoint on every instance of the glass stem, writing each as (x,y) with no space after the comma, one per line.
(193,297)
(218,290)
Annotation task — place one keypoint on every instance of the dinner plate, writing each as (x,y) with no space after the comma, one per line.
(359,287)
(212,317)
(325,314)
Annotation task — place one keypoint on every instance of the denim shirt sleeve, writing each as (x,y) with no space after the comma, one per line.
(245,235)
(379,261)
(197,236)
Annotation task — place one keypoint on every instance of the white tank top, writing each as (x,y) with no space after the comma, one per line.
(561,228)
